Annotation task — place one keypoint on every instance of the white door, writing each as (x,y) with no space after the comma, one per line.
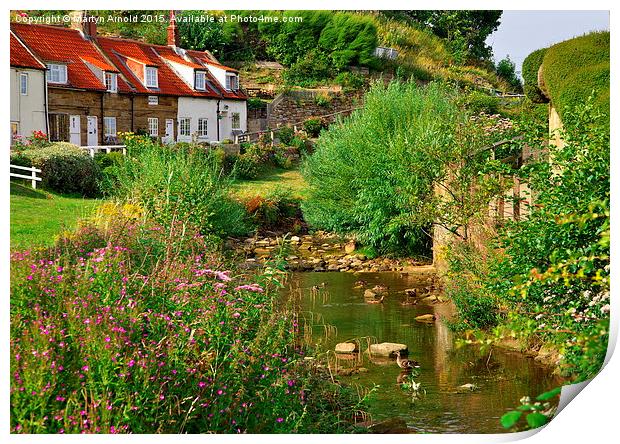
(75,135)
(93,134)
(169,138)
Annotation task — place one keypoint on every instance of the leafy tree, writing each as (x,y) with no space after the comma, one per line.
(506,69)
(465,30)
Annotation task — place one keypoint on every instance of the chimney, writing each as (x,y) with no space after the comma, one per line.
(85,23)
(173,34)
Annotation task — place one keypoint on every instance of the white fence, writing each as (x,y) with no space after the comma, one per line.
(32,177)
(107,148)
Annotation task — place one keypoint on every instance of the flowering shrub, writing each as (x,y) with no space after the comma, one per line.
(131,328)
(38,139)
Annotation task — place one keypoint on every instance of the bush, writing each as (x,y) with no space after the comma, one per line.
(276,210)
(531,65)
(477,102)
(371,176)
(285,134)
(348,80)
(313,127)
(65,168)
(310,69)
(181,183)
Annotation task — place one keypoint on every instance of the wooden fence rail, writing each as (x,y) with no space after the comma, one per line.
(107,148)
(32,177)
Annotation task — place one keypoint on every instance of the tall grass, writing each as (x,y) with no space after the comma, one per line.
(180,182)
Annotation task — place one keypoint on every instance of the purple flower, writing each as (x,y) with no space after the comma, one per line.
(280,420)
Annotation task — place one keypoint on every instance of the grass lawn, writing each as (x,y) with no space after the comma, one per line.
(37,217)
(276,178)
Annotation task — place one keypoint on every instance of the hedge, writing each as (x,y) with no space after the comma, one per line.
(531,64)
(574,69)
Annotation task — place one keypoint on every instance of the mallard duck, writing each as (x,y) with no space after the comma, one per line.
(406,363)
(376,301)
(411,292)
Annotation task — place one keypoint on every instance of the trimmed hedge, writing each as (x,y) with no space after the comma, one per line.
(531,64)
(574,69)
(65,168)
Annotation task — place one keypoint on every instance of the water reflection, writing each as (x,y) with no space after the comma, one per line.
(338,311)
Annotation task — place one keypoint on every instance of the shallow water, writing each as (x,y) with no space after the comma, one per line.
(338,313)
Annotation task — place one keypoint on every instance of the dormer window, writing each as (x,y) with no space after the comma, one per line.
(111,82)
(200,78)
(150,77)
(232,82)
(56,73)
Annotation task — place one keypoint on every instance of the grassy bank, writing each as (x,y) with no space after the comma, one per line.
(37,217)
(273,180)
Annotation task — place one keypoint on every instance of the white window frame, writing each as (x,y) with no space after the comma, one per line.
(203,127)
(232,121)
(201,86)
(153,126)
(56,73)
(229,85)
(23,83)
(183,121)
(112,85)
(151,81)
(108,124)
(153,100)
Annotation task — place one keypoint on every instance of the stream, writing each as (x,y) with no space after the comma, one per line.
(336,312)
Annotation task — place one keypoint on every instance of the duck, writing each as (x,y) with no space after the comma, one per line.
(408,302)
(411,292)
(376,301)
(360,284)
(406,363)
(379,288)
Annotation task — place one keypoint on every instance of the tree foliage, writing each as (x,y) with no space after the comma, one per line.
(375,175)
(506,69)
(466,30)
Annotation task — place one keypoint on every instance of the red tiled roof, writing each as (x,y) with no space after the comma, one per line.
(122,52)
(67,46)
(205,60)
(21,57)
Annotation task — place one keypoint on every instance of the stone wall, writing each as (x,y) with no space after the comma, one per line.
(296,106)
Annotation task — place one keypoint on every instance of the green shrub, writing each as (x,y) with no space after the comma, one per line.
(181,183)
(531,65)
(477,102)
(313,127)
(574,69)
(286,134)
(348,80)
(275,210)
(306,71)
(248,165)
(65,168)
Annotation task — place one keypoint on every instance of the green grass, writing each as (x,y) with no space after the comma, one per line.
(277,178)
(37,217)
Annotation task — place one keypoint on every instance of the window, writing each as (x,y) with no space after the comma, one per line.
(57,73)
(236,121)
(200,80)
(23,84)
(109,126)
(150,76)
(153,100)
(153,126)
(232,82)
(59,127)
(202,127)
(184,124)
(111,82)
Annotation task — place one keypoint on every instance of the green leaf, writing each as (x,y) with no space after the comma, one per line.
(536,420)
(510,419)
(550,394)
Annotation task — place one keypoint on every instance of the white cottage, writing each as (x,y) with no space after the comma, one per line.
(28,91)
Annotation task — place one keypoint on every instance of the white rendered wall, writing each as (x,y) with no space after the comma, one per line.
(29,110)
(196,108)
